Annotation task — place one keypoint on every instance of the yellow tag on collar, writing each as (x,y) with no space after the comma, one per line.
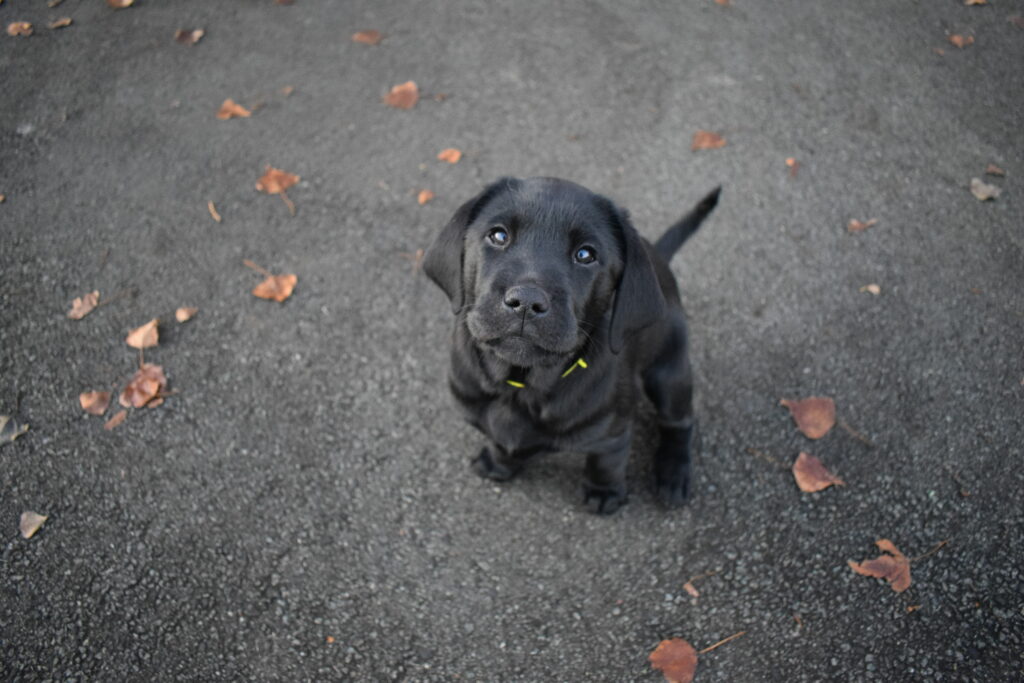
(517,385)
(579,363)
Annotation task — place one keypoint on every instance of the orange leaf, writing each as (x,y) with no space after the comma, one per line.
(119,4)
(691,589)
(118,418)
(230,109)
(276,181)
(404,96)
(185,313)
(59,23)
(144,336)
(368,37)
(860,226)
(94,402)
(893,566)
(451,155)
(19,28)
(276,287)
(144,386)
(83,305)
(961,41)
(705,139)
(676,659)
(424,197)
(214,214)
(814,416)
(811,475)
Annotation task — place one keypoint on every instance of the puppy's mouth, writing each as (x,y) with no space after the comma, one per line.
(520,350)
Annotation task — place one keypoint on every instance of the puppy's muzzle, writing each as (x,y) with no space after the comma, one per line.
(526,302)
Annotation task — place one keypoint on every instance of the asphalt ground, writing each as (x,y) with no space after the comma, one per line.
(302,507)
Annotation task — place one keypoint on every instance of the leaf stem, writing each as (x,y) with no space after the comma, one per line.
(721,642)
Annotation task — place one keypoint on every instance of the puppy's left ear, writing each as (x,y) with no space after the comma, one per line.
(443,260)
(638,298)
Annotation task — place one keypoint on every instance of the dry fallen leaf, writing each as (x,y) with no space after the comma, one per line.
(30,523)
(676,659)
(975,2)
(451,155)
(992,169)
(94,402)
(723,3)
(1016,20)
(276,287)
(814,416)
(59,23)
(705,139)
(83,305)
(10,429)
(893,566)
(275,181)
(19,28)
(961,41)
(368,37)
(185,313)
(230,109)
(213,211)
(144,336)
(424,196)
(691,589)
(793,165)
(118,418)
(872,289)
(145,385)
(811,475)
(982,190)
(188,37)
(120,4)
(404,96)
(860,226)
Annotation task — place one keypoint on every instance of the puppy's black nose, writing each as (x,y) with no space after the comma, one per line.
(527,300)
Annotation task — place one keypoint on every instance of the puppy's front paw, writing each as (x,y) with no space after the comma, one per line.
(604,500)
(673,488)
(486,465)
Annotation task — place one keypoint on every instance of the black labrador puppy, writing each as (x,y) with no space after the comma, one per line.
(562,314)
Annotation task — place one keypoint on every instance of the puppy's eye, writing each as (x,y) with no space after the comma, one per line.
(585,255)
(498,236)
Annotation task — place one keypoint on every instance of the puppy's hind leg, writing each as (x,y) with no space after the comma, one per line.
(669,384)
(494,462)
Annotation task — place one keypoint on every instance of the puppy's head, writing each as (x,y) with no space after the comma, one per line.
(540,266)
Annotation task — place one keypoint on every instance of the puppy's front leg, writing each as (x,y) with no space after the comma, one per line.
(604,477)
(494,462)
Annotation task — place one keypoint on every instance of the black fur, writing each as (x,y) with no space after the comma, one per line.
(529,303)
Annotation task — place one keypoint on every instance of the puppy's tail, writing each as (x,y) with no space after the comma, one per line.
(674,237)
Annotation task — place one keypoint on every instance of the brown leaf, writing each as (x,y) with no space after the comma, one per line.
(59,23)
(213,211)
(424,196)
(691,589)
(144,386)
(893,566)
(860,226)
(814,416)
(982,190)
(811,475)
(188,37)
(118,418)
(30,523)
(119,4)
(368,37)
(871,289)
(992,169)
(975,2)
(961,41)
(10,429)
(230,109)
(276,181)
(144,336)
(94,402)
(185,313)
(705,139)
(451,155)
(404,96)
(276,287)
(723,3)
(19,28)
(676,659)
(83,305)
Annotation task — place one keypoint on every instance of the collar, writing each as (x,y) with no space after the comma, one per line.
(519,374)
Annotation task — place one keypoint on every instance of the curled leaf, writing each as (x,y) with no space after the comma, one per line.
(94,402)
(961,41)
(231,109)
(275,181)
(188,37)
(185,313)
(675,659)
(144,336)
(276,287)
(368,37)
(118,418)
(811,475)
(893,566)
(451,155)
(10,429)
(404,96)
(424,196)
(30,523)
(814,416)
(705,139)
(83,305)
(982,190)
(120,4)
(860,226)
(63,22)
(144,386)
(19,28)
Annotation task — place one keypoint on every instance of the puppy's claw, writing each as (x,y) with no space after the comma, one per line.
(603,501)
(485,465)
(674,491)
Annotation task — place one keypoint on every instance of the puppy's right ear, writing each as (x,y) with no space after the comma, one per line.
(443,260)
